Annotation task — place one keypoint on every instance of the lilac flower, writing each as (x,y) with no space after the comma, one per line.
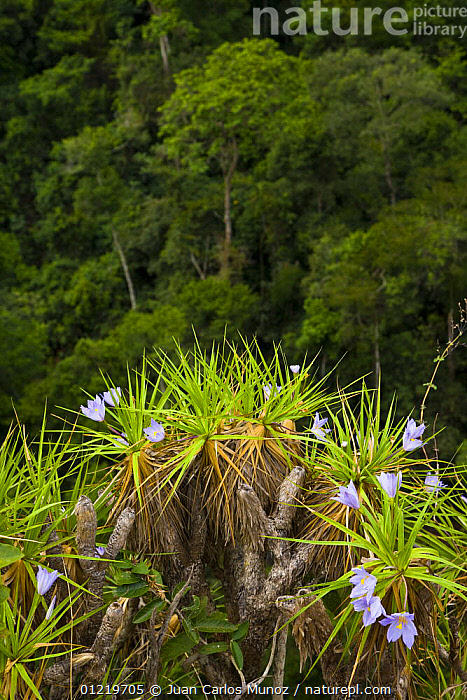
(267,388)
(400,625)
(411,439)
(390,482)
(433,483)
(318,429)
(45,579)
(95,409)
(364,583)
(464,498)
(120,440)
(348,496)
(295,368)
(372,608)
(155,432)
(100,551)
(50,609)
(112,397)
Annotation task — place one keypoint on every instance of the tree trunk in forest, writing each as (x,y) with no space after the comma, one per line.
(164,44)
(165,50)
(384,142)
(228,175)
(121,255)
(126,271)
(197,266)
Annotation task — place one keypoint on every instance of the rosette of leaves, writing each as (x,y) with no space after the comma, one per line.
(32,509)
(400,544)
(225,432)
(360,446)
(446,662)
(222,431)
(131,461)
(35,628)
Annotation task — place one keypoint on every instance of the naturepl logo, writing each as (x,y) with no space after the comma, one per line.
(395,20)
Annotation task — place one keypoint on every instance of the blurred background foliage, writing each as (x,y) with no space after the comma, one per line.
(161,168)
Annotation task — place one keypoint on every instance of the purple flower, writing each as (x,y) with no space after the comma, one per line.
(411,439)
(295,368)
(100,551)
(120,440)
(50,609)
(112,397)
(464,498)
(400,625)
(155,432)
(318,429)
(372,608)
(390,482)
(45,579)
(433,483)
(364,583)
(267,388)
(348,496)
(95,409)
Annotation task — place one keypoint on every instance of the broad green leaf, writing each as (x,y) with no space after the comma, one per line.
(132,590)
(237,654)
(141,568)
(124,577)
(241,631)
(181,644)
(213,625)
(9,554)
(146,612)
(4,593)
(190,630)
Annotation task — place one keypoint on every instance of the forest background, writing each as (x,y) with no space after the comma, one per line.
(163,168)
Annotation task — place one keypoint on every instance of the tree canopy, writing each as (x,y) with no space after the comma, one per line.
(162,169)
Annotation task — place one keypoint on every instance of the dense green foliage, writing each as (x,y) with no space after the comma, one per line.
(160,168)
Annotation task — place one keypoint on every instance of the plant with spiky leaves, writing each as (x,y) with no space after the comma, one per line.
(220,431)
(207,470)
(346,469)
(409,571)
(211,485)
